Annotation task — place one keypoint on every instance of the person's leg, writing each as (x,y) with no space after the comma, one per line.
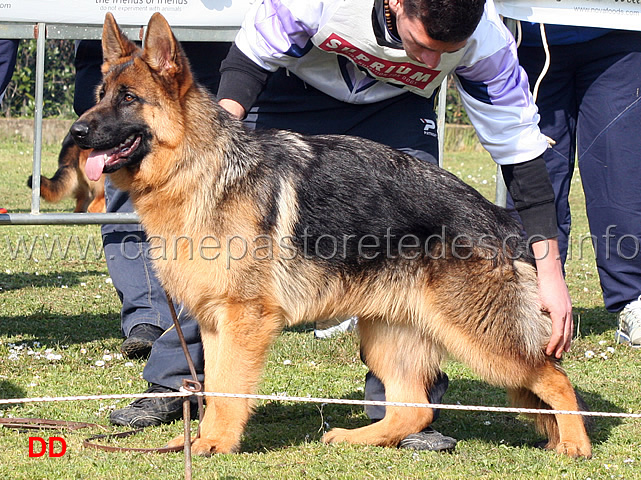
(8,53)
(146,320)
(165,370)
(131,270)
(428,439)
(610,161)
(8,56)
(87,63)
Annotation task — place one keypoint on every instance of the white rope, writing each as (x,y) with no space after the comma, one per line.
(287,398)
(546,64)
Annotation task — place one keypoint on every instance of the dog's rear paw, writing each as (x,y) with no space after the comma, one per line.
(574,450)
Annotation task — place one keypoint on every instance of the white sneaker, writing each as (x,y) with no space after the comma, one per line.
(344,326)
(629,330)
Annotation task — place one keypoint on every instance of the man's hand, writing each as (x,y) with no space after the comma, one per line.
(233,107)
(554,295)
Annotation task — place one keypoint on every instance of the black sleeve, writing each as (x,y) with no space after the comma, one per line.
(241,79)
(531,189)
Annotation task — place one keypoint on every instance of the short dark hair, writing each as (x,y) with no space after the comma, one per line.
(446,20)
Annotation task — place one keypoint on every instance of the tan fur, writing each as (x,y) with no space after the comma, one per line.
(71,180)
(411,314)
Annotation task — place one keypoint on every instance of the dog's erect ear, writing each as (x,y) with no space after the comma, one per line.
(161,50)
(115,44)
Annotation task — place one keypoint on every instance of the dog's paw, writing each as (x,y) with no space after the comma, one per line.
(336,435)
(206,447)
(203,446)
(574,450)
(179,441)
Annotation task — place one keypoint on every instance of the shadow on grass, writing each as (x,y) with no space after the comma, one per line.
(278,425)
(50,329)
(19,280)
(507,428)
(10,390)
(594,321)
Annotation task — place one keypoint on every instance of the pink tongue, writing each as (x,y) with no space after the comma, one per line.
(95,164)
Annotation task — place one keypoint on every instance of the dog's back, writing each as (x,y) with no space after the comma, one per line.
(352,186)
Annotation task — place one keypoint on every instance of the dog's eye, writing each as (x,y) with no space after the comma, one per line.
(128,98)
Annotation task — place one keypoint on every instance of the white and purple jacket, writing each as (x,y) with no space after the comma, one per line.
(331,45)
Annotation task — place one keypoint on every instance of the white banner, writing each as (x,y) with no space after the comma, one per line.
(620,14)
(195,13)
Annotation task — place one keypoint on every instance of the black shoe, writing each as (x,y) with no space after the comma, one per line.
(428,439)
(147,412)
(140,340)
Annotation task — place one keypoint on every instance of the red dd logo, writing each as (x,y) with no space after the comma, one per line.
(38,447)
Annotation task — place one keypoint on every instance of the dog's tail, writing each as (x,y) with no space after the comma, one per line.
(65,180)
(544,423)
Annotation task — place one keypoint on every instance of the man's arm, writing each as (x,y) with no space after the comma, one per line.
(530,187)
(241,82)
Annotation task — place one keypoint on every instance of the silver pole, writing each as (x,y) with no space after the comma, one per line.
(41,36)
(440,120)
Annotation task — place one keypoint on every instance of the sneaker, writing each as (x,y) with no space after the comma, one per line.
(629,330)
(332,327)
(140,340)
(428,439)
(147,412)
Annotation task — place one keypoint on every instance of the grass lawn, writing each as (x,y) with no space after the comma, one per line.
(60,335)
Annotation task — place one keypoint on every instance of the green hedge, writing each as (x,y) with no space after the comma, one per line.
(19,100)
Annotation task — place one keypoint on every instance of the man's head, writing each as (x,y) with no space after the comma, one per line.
(446,20)
(429,28)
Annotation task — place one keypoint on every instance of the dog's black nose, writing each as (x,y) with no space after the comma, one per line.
(79,130)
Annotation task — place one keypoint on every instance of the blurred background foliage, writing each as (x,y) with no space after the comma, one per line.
(19,99)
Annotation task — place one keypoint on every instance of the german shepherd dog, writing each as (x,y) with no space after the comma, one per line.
(71,180)
(293,228)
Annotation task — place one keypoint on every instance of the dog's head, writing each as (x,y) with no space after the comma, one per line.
(139,101)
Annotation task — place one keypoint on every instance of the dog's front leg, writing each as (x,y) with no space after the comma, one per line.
(235,353)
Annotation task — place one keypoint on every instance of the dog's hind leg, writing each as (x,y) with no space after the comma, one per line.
(235,350)
(566,433)
(407,364)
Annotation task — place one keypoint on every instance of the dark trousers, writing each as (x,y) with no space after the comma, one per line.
(404,122)
(590,104)
(8,53)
